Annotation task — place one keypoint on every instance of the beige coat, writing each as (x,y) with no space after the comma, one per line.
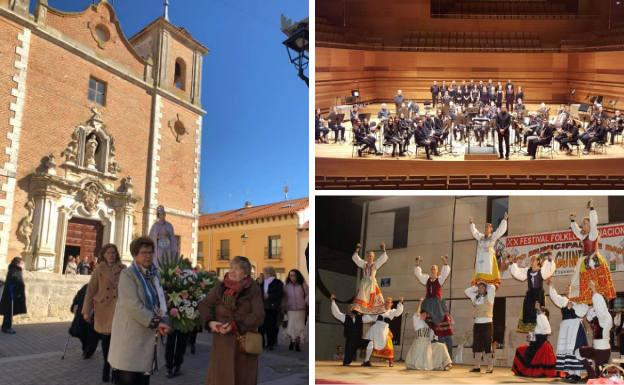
(101,295)
(132,341)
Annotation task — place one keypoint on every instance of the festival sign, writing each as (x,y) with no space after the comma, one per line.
(566,249)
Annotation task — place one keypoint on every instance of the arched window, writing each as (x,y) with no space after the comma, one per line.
(179,79)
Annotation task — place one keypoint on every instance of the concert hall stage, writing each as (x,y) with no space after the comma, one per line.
(332,372)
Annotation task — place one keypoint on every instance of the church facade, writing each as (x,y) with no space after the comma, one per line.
(96,131)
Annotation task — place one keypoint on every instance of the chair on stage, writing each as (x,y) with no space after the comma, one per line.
(416,152)
(600,145)
(548,147)
(577,145)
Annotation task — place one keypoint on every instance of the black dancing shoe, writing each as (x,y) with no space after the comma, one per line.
(366,363)
(475,370)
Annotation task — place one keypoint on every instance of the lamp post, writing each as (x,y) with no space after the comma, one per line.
(297,45)
(244,238)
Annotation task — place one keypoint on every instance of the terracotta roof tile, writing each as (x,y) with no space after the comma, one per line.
(254,212)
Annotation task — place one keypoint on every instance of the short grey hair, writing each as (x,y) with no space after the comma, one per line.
(243,263)
(270,271)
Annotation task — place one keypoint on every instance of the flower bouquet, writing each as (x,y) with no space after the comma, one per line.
(184,289)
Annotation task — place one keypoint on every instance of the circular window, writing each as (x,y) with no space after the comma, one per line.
(102,33)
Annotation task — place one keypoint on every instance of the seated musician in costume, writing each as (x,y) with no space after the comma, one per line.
(597,134)
(544,137)
(569,133)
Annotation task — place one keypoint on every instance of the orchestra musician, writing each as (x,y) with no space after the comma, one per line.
(479,127)
(491,114)
(446,99)
(503,123)
(562,117)
(519,94)
(474,95)
(406,132)
(509,97)
(321,129)
(392,135)
(492,95)
(490,84)
(472,85)
(444,88)
(335,125)
(459,96)
(598,133)
(439,133)
(543,111)
(364,138)
(569,133)
(544,137)
(520,109)
(398,101)
(533,127)
(435,92)
(412,109)
(484,98)
(499,96)
(424,140)
(616,126)
(384,112)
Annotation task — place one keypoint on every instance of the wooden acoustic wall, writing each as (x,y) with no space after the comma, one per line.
(546,77)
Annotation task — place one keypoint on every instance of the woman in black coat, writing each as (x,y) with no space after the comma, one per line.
(82,329)
(13,301)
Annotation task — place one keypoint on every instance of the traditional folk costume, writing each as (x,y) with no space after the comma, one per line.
(537,359)
(483,328)
(486,265)
(435,306)
(592,266)
(425,354)
(535,291)
(571,334)
(601,322)
(380,336)
(369,299)
(352,330)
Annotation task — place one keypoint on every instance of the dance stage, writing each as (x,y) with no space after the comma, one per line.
(332,372)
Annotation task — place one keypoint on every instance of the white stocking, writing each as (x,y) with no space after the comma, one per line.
(478,357)
(369,351)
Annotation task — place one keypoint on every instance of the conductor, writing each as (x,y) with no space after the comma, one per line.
(503,122)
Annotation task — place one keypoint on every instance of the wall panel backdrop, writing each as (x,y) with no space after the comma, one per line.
(546,77)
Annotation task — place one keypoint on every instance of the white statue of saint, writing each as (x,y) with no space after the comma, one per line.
(90,149)
(163,235)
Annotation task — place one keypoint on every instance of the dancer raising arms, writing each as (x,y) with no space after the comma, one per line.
(571,334)
(591,266)
(486,265)
(535,276)
(353,327)
(423,354)
(482,296)
(434,305)
(380,336)
(369,299)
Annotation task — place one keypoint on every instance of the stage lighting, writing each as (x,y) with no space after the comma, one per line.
(297,44)
(355,93)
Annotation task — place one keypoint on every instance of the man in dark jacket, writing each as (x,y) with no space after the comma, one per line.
(503,122)
(353,328)
(13,301)
(273,290)
(544,137)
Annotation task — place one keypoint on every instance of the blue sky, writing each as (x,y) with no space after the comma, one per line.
(255,133)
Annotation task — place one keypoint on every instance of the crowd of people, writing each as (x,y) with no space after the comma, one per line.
(589,291)
(469,112)
(81,265)
(125,310)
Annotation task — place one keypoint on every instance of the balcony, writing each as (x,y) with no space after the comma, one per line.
(275,252)
(223,254)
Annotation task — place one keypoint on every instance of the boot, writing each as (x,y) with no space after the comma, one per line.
(297,346)
(291,346)
(106,373)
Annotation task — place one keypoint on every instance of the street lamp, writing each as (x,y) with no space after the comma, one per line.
(244,238)
(297,45)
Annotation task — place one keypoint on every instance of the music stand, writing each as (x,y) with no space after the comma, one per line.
(361,117)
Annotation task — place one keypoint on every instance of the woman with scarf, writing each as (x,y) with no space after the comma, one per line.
(13,301)
(369,299)
(231,309)
(535,275)
(140,318)
(537,359)
(101,297)
(591,266)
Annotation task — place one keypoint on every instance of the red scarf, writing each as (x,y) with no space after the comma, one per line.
(232,288)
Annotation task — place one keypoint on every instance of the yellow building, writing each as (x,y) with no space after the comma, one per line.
(274,235)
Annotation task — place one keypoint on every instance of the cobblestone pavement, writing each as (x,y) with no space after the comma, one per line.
(33,357)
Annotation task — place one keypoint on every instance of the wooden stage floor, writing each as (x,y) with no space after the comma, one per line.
(332,372)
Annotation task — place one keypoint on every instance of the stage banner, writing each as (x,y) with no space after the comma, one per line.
(565,247)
